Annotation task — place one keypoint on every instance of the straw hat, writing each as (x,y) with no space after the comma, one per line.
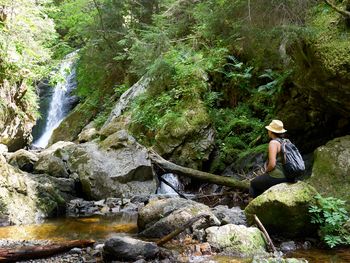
(276,126)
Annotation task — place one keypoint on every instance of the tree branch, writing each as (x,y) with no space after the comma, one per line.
(339,10)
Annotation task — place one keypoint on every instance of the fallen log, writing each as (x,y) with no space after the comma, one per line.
(167,166)
(33,252)
(179,230)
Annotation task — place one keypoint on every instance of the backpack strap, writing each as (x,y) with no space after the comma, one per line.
(283,150)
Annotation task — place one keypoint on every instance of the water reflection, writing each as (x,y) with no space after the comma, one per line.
(72,228)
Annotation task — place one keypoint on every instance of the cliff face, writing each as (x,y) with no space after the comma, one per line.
(317,106)
(17,116)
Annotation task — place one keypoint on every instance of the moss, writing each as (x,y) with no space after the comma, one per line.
(331,41)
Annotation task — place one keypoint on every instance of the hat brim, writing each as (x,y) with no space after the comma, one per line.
(275,131)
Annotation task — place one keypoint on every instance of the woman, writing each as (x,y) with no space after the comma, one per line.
(272,170)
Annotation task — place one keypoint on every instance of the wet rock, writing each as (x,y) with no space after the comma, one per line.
(236,240)
(283,209)
(23,159)
(162,216)
(330,172)
(278,260)
(129,249)
(234,215)
(288,246)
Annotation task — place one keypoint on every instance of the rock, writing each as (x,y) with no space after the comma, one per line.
(283,209)
(278,260)
(53,149)
(89,133)
(288,246)
(24,160)
(116,124)
(189,143)
(120,172)
(126,98)
(3,148)
(117,140)
(235,215)
(331,169)
(236,240)
(162,216)
(25,198)
(129,249)
(51,165)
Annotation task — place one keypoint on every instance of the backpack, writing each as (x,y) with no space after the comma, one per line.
(292,162)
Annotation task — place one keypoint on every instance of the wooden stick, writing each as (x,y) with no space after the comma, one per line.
(266,235)
(32,252)
(179,230)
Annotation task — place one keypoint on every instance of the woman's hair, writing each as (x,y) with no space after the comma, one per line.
(279,135)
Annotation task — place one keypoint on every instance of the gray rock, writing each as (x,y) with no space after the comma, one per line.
(52,165)
(234,215)
(288,246)
(120,172)
(125,99)
(236,240)
(88,133)
(162,216)
(23,159)
(25,198)
(129,249)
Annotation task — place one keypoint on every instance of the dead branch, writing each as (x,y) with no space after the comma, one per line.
(337,9)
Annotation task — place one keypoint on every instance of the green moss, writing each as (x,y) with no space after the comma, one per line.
(330,40)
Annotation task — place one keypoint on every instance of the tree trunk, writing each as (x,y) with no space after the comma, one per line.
(32,252)
(167,166)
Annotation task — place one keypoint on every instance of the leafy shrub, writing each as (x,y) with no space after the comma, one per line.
(331,216)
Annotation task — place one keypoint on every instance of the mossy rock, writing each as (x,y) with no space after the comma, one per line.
(236,240)
(331,169)
(73,124)
(283,209)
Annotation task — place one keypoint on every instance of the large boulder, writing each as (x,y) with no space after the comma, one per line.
(23,159)
(283,209)
(331,169)
(26,198)
(51,165)
(236,240)
(121,171)
(129,249)
(162,216)
(190,140)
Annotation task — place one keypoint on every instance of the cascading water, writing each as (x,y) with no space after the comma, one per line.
(61,100)
(173,180)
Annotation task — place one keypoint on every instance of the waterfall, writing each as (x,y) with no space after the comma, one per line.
(61,99)
(171,179)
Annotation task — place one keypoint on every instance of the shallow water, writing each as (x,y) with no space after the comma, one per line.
(61,229)
(323,256)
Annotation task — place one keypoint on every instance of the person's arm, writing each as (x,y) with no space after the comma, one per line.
(273,150)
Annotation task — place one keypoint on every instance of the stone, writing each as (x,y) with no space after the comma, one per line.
(162,216)
(288,246)
(103,173)
(331,169)
(51,165)
(234,215)
(23,159)
(236,240)
(3,149)
(26,198)
(283,209)
(129,249)
(89,133)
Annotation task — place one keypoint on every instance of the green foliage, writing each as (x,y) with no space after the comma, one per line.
(331,216)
